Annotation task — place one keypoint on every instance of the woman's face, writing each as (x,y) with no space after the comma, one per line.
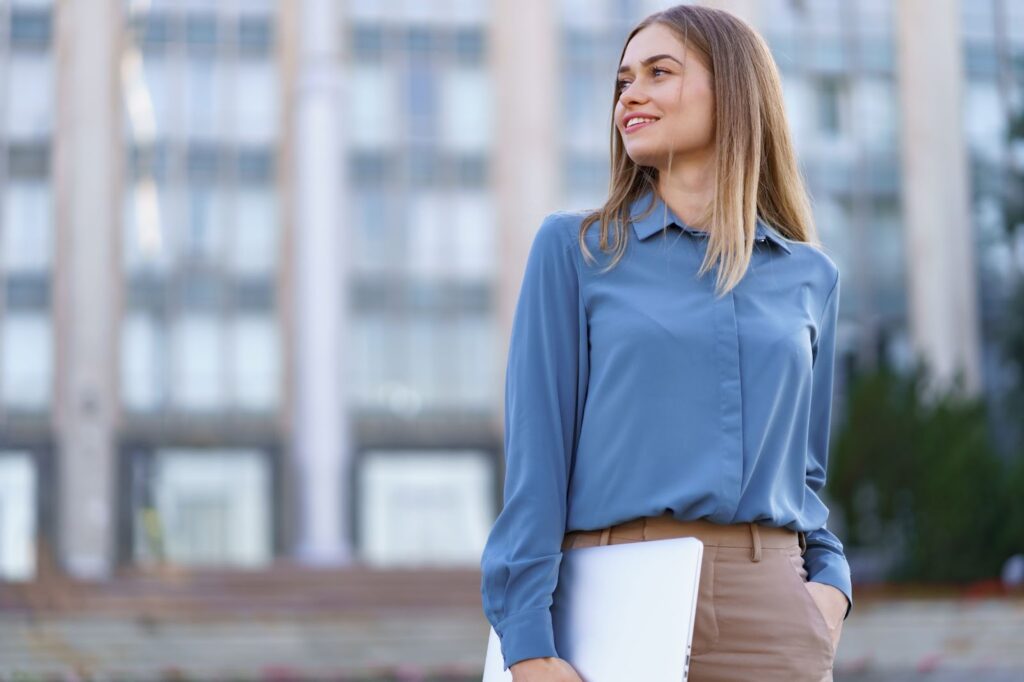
(679,99)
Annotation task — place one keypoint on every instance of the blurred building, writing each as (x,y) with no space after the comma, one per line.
(259,259)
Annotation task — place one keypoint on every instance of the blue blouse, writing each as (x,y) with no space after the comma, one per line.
(638,392)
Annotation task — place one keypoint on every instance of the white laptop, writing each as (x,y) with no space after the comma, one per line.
(622,612)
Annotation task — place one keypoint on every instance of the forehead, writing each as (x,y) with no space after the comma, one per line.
(651,40)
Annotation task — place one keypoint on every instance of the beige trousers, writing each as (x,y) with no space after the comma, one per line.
(756,619)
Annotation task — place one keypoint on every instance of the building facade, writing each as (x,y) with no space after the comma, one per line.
(259,259)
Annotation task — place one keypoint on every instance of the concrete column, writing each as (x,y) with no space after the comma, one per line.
(527,157)
(87,173)
(320,425)
(942,298)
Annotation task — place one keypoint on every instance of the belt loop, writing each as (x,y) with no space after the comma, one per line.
(643,529)
(755,554)
(802,537)
(606,536)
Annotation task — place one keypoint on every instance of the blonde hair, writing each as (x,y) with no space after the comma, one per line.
(756,173)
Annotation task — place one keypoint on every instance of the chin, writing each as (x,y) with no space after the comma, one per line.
(643,157)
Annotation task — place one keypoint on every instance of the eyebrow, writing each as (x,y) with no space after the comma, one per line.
(651,60)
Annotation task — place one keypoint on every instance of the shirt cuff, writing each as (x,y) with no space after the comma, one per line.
(528,634)
(831,569)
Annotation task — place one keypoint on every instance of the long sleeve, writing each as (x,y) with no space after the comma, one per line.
(543,393)
(824,559)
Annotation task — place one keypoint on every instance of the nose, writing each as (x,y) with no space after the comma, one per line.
(632,93)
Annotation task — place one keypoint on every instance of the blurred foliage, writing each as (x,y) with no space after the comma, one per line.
(917,467)
(1013,186)
(1011,339)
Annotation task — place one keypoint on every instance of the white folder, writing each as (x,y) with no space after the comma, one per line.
(622,612)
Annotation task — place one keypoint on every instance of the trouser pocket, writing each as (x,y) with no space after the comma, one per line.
(815,617)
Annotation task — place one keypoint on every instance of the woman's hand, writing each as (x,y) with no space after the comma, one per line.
(832,603)
(547,669)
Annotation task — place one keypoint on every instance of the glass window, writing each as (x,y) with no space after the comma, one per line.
(147,215)
(829,91)
(254,247)
(983,119)
(33,4)
(411,501)
(255,34)
(875,17)
(204,239)
(255,362)
(875,112)
(586,14)
(151,102)
(373,107)
(143,349)
(466,118)
(213,507)
(367,42)
(370,11)
(588,110)
(978,19)
(472,252)
(197,372)
(26,234)
(477,372)
(421,100)
(799,97)
(29,100)
(204,99)
(31,26)
(425,353)
(884,235)
(255,102)
(469,43)
(428,227)
(365,369)
(375,219)
(18,487)
(26,359)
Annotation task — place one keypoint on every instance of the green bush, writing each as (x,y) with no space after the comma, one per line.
(919,469)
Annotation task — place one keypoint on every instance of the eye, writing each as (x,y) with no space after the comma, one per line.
(620,84)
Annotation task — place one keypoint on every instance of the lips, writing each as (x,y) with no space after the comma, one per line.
(627,129)
(638,126)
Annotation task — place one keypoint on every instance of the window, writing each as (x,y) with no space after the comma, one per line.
(212,507)
(465,121)
(26,359)
(29,100)
(829,108)
(254,247)
(205,99)
(424,508)
(17,515)
(143,349)
(373,107)
(255,99)
(26,238)
(253,362)
(197,357)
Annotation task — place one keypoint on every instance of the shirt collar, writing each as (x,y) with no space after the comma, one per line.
(661,216)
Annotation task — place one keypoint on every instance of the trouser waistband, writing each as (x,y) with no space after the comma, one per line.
(753,535)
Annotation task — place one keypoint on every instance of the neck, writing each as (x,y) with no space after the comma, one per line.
(689,188)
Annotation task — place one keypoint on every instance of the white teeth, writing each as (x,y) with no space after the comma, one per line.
(634,121)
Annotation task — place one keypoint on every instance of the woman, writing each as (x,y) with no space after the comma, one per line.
(644,400)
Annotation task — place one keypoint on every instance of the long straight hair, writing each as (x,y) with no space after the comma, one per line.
(756,170)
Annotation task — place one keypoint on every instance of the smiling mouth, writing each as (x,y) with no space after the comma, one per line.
(637,126)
